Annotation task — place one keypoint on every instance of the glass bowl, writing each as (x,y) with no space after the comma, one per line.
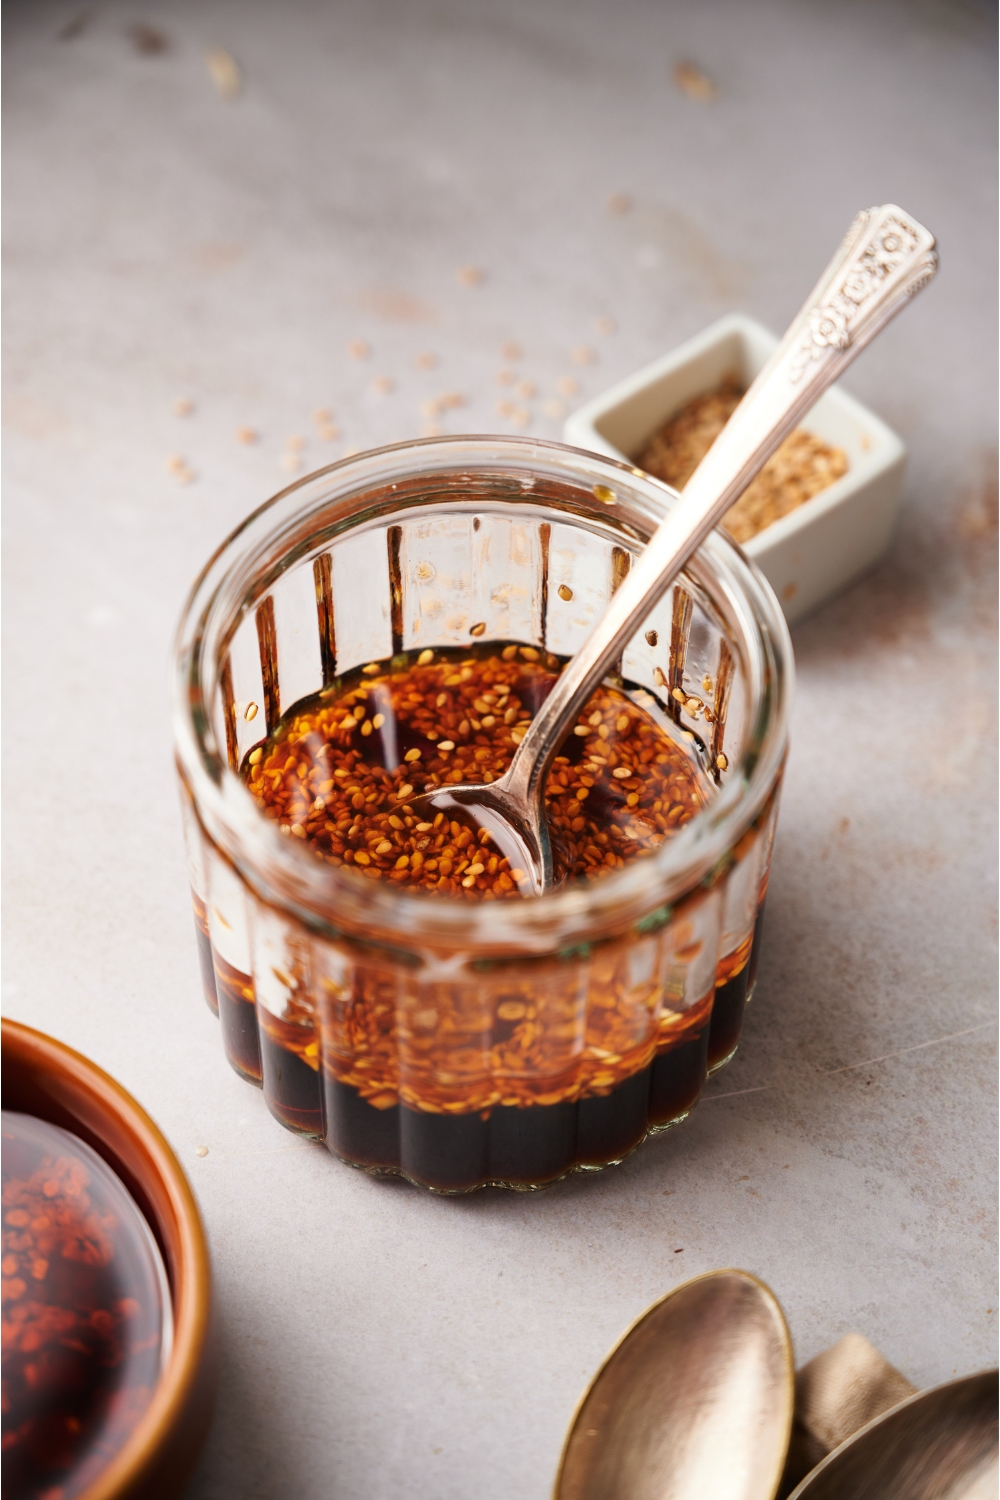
(451,1043)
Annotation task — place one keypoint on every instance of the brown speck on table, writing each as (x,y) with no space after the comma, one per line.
(75,26)
(291,462)
(359,349)
(692,81)
(322,416)
(246,435)
(147,40)
(383,384)
(680,1251)
(526,389)
(619,203)
(606,326)
(512,352)
(329,432)
(520,416)
(789,591)
(470,276)
(583,355)
(505,377)
(553,408)
(224,71)
(431,429)
(295,442)
(426,361)
(568,385)
(183,406)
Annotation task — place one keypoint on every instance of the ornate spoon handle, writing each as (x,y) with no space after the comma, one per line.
(885,258)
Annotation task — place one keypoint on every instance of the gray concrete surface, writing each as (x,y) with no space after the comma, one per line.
(165,243)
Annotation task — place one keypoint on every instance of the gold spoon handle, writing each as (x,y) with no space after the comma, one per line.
(885,258)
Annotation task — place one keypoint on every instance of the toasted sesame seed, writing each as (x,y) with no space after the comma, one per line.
(722,762)
(378,721)
(479,629)
(604,494)
(250,712)
(446,744)
(565,592)
(413,754)
(404,792)
(255,756)
(425,658)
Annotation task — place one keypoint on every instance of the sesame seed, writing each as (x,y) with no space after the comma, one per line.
(565,592)
(425,658)
(250,712)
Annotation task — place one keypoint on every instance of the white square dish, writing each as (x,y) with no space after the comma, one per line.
(818,548)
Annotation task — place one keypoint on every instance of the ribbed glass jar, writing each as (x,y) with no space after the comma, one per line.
(460,1044)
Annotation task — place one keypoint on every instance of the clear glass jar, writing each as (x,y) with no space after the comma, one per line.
(506,1042)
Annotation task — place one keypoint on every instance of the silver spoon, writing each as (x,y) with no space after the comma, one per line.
(940,1444)
(694,1403)
(885,258)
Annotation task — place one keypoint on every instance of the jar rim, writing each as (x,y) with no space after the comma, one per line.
(337,902)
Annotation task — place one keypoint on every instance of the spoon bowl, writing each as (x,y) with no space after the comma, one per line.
(694,1402)
(940,1444)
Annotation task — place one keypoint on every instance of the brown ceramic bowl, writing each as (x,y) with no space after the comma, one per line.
(42,1077)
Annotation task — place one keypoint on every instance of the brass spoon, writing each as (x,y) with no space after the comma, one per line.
(940,1444)
(693,1403)
(886,257)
